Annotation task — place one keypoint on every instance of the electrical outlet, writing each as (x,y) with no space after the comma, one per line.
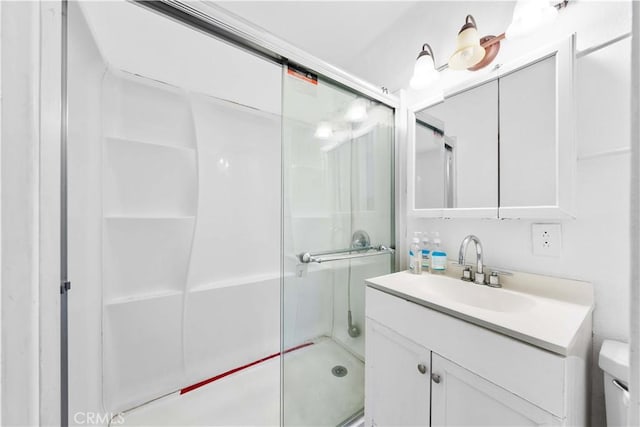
(546,239)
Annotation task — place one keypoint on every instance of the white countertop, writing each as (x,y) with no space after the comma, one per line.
(544,311)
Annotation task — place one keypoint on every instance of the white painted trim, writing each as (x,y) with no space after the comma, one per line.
(605,153)
(50,77)
(590,50)
(634,300)
(410,168)
(1,233)
(30,181)
(400,202)
(534,212)
(482,213)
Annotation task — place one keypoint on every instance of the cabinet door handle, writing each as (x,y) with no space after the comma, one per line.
(422,368)
(435,378)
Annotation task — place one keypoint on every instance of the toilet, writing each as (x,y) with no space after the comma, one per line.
(614,361)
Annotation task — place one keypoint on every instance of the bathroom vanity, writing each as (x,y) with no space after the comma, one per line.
(441,351)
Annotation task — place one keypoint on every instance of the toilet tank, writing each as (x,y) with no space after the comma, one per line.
(614,361)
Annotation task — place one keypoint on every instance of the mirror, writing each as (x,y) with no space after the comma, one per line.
(503,146)
(527,136)
(456,151)
(430,180)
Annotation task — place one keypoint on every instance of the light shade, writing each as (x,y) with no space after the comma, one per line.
(468,50)
(424,72)
(530,15)
(323,131)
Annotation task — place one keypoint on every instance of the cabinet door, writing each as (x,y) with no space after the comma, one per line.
(397,386)
(528,136)
(462,398)
(467,125)
(537,141)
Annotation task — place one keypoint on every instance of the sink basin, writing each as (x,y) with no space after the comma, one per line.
(478,296)
(540,310)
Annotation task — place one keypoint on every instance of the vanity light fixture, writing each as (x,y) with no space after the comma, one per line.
(424,72)
(491,45)
(473,53)
(468,50)
(323,131)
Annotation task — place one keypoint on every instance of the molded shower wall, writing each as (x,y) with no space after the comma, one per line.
(174,208)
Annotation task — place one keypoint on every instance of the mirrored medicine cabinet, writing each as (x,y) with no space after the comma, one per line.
(501,146)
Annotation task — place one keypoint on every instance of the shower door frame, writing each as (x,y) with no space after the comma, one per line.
(200,16)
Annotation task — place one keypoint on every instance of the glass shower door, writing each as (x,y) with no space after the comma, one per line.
(337,229)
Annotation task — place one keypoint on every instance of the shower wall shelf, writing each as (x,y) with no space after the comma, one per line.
(147,179)
(116,138)
(169,156)
(141,297)
(238,281)
(147,217)
(149,204)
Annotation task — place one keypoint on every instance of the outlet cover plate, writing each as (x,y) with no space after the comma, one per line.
(546,239)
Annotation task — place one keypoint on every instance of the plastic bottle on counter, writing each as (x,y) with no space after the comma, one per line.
(415,255)
(438,256)
(426,249)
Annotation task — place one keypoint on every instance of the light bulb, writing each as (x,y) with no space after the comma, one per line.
(466,53)
(530,15)
(424,71)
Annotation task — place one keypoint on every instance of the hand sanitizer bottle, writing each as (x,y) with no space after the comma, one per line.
(415,255)
(426,249)
(438,256)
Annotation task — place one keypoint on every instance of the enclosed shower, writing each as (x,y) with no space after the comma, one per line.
(225,209)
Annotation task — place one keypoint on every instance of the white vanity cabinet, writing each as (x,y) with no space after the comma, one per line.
(472,375)
(461,398)
(395,363)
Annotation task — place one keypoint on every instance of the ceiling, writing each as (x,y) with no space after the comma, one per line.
(374,40)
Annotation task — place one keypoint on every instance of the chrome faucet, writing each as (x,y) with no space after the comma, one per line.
(479,276)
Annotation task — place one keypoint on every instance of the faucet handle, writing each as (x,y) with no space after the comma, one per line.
(500,272)
(467,274)
(494,280)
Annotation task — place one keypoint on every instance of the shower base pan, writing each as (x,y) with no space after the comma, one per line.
(313,394)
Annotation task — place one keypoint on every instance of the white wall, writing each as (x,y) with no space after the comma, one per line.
(603,175)
(20,373)
(31,40)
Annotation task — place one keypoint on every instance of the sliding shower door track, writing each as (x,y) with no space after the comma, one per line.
(355,420)
(216,21)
